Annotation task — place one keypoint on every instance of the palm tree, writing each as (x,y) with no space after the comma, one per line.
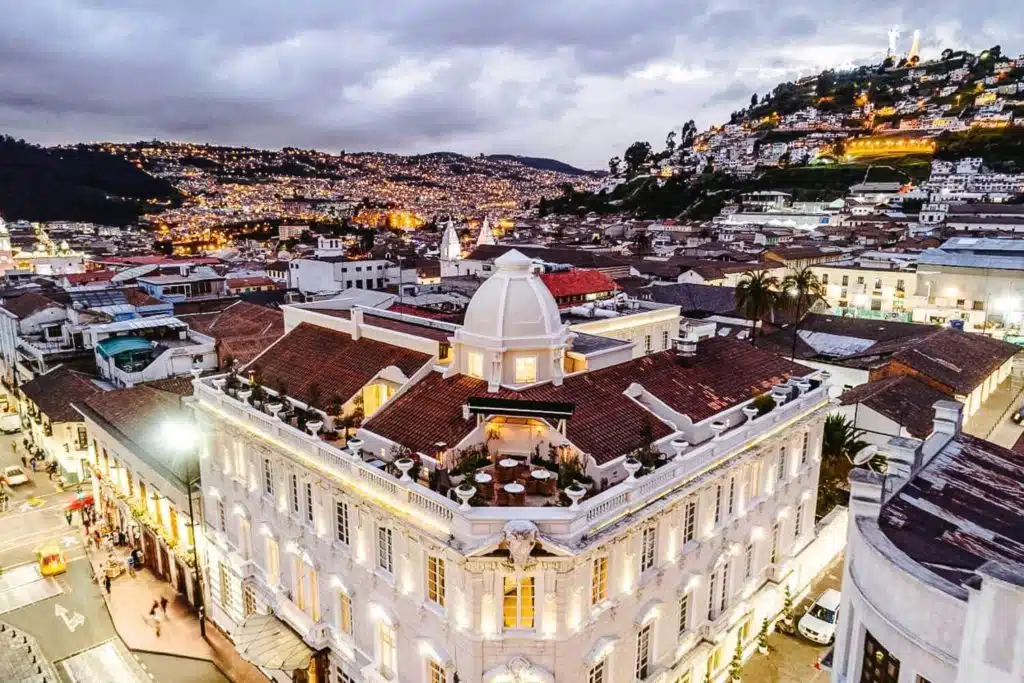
(840,442)
(756,295)
(802,289)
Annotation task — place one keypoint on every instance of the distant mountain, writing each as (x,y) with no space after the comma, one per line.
(545,164)
(75,184)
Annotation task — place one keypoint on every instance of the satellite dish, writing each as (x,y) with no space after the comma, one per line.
(865,454)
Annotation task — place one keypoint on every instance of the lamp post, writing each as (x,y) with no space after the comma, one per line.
(183,435)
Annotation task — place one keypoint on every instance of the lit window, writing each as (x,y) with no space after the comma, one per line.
(385,557)
(273,568)
(714,661)
(341,521)
(248,600)
(643,653)
(599,581)
(517,608)
(526,370)
(388,652)
(475,364)
(225,587)
(344,613)
(647,343)
(435,672)
(664,339)
(435,580)
(647,549)
(597,674)
(689,520)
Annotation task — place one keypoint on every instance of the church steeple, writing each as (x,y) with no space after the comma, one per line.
(486,236)
(451,249)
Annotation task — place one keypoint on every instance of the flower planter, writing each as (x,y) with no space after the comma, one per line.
(575,493)
(404,465)
(632,466)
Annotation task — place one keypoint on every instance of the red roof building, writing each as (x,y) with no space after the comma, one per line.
(577,286)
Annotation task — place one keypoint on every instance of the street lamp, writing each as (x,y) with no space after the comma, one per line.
(181,437)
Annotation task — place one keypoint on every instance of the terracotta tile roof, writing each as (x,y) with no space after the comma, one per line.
(242,329)
(139,297)
(55,391)
(180,385)
(25,305)
(578,283)
(903,399)
(75,279)
(257,281)
(407,326)
(332,360)
(142,416)
(960,360)
(606,423)
(963,508)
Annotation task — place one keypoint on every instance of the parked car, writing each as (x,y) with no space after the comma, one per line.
(14,476)
(1018,417)
(10,423)
(819,623)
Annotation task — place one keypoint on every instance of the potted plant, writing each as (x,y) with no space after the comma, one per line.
(785,623)
(762,638)
(736,664)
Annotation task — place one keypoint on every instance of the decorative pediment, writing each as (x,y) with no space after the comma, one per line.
(518,670)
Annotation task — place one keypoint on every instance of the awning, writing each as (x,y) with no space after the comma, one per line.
(264,640)
(79,503)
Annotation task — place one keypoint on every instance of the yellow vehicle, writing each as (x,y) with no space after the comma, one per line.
(51,559)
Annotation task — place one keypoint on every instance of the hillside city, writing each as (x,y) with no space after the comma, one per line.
(748,406)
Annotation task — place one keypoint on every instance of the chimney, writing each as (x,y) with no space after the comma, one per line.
(903,453)
(686,345)
(948,417)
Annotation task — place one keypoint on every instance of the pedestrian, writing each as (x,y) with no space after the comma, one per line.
(156,622)
(24,462)
(154,608)
(131,565)
(67,516)
(106,583)
(163,604)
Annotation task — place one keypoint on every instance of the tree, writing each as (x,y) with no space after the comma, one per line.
(688,133)
(946,54)
(756,295)
(670,143)
(614,164)
(753,100)
(802,289)
(641,242)
(840,442)
(636,158)
(736,664)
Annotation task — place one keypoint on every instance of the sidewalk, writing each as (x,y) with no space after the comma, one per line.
(129,603)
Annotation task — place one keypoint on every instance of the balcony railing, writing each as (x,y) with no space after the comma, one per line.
(437,511)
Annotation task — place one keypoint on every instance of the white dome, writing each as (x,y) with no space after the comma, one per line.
(513,303)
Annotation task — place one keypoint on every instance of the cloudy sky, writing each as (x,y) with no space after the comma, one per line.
(573,79)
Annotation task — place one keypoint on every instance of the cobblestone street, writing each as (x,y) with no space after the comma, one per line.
(792,659)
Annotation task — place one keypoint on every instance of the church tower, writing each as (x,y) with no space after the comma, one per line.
(485,236)
(451,251)
(6,255)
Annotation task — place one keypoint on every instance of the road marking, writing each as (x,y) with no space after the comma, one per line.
(109,661)
(70,541)
(71,619)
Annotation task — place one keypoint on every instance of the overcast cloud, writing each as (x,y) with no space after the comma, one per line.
(573,79)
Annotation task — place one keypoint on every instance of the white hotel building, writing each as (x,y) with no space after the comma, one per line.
(326,561)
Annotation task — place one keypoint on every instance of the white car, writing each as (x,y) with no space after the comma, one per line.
(819,623)
(14,476)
